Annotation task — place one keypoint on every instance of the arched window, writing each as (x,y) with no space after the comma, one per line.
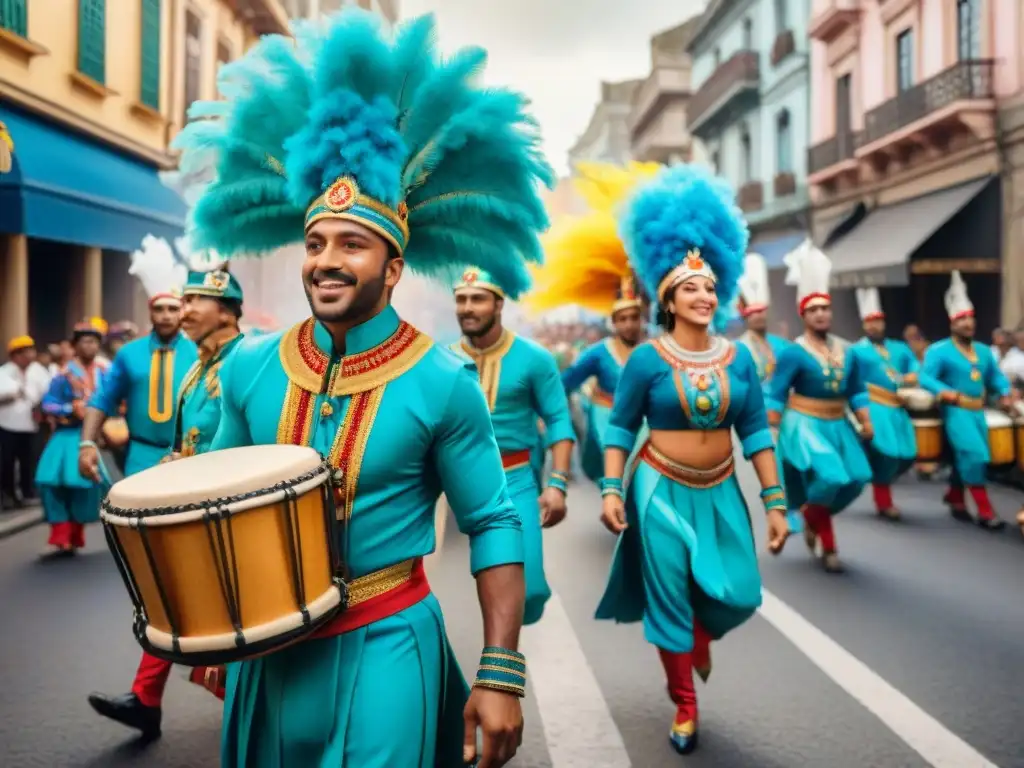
(783,143)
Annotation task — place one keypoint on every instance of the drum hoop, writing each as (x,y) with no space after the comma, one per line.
(225,505)
(926,422)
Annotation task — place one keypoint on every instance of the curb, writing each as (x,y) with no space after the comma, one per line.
(22,521)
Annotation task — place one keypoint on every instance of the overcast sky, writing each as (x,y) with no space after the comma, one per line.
(557,51)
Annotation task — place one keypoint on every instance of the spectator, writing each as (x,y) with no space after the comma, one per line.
(1012,362)
(23,382)
(1002,342)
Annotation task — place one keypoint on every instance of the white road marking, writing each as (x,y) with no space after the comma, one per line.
(935,743)
(578,726)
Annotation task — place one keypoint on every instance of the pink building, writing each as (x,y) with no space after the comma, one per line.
(917,129)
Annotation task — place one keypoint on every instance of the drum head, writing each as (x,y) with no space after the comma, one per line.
(199,479)
(917,399)
(997,419)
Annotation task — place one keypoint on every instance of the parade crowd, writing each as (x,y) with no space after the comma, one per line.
(356,415)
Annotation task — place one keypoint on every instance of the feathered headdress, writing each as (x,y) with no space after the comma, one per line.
(685,223)
(755,292)
(810,271)
(344,122)
(161,274)
(208,273)
(585,261)
(958,303)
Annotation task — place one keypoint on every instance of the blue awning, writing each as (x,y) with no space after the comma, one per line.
(68,188)
(775,249)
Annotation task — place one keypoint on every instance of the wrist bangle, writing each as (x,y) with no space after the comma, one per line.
(502,669)
(87,444)
(613,492)
(558,483)
(610,482)
(771,492)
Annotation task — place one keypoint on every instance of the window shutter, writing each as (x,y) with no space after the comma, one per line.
(92,39)
(14,16)
(150,79)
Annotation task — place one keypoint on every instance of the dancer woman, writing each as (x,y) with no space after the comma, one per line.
(686,241)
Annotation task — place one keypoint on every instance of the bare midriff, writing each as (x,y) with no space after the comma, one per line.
(697,448)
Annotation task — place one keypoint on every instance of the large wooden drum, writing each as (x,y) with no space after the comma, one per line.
(924,414)
(228,555)
(1018,433)
(1000,438)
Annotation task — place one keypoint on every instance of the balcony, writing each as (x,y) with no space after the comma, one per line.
(784,185)
(731,91)
(959,100)
(266,17)
(664,85)
(830,18)
(750,197)
(833,157)
(783,46)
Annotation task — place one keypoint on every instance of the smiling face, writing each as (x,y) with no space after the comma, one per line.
(477,310)
(694,301)
(349,271)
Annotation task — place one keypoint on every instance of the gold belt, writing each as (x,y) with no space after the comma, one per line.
(970,403)
(377,583)
(883,396)
(599,397)
(684,475)
(817,407)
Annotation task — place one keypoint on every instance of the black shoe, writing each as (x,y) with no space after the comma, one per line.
(961,515)
(128,710)
(992,523)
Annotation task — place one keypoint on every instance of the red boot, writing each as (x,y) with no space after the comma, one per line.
(151,679)
(954,499)
(986,515)
(820,518)
(210,678)
(883,501)
(679,674)
(701,651)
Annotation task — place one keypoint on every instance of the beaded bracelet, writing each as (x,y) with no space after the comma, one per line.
(559,480)
(611,486)
(503,670)
(87,444)
(774,497)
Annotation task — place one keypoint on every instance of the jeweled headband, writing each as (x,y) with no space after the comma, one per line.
(627,296)
(475,278)
(693,266)
(342,200)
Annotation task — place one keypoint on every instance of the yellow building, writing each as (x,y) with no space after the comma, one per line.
(91,94)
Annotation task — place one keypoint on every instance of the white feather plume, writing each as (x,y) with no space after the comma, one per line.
(157,268)
(753,284)
(199,261)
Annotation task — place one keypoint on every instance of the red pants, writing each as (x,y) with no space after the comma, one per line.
(883,497)
(67,535)
(955,498)
(151,679)
(819,521)
(679,674)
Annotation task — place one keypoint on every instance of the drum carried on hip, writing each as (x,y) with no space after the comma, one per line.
(924,414)
(115,432)
(1000,438)
(228,555)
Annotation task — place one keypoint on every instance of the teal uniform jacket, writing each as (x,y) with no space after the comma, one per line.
(688,554)
(405,420)
(146,374)
(520,381)
(822,458)
(66,495)
(947,366)
(885,369)
(199,401)
(603,361)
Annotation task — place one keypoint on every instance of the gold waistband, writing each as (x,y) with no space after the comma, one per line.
(377,583)
(817,407)
(684,475)
(970,403)
(883,396)
(599,397)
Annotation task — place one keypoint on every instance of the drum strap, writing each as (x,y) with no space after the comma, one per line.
(379,595)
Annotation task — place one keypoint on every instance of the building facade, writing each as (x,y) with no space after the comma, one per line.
(916,157)
(750,111)
(657,122)
(91,94)
(606,137)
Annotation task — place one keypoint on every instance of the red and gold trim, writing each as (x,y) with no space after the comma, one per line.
(295,424)
(599,397)
(814,300)
(488,363)
(378,595)
(514,460)
(960,315)
(746,310)
(691,477)
(350,443)
(873,316)
(306,364)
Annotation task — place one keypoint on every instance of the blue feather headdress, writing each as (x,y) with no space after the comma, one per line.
(347,122)
(682,224)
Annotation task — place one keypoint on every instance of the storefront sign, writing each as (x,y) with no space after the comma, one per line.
(945,266)
(892,275)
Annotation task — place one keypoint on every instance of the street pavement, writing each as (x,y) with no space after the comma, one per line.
(912,658)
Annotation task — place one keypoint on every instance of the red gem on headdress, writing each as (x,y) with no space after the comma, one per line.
(403,211)
(694,261)
(341,195)
(470,276)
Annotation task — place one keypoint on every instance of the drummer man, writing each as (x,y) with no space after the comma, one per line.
(521,382)
(211,307)
(146,373)
(886,365)
(970,370)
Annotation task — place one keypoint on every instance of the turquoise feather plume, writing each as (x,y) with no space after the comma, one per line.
(345,99)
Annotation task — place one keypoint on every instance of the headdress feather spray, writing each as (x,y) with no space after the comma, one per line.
(684,208)
(585,260)
(455,164)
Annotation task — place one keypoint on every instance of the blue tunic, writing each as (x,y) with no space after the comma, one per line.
(66,495)
(604,362)
(146,374)
(975,375)
(688,552)
(199,403)
(521,384)
(884,369)
(405,420)
(822,457)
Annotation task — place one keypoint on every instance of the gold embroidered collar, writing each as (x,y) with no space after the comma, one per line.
(718,355)
(215,342)
(619,351)
(306,365)
(497,350)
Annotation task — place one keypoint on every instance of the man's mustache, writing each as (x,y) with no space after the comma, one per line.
(319,276)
